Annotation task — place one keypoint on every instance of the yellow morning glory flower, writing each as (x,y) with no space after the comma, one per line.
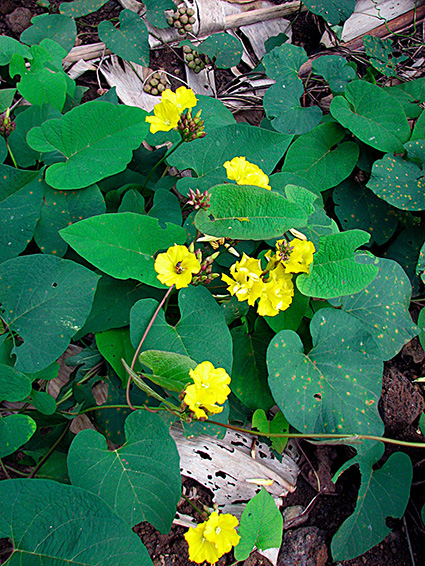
(296,255)
(210,386)
(176,266)
(246,283)
(277,293)
(183,98)
(213,538)
(246,173)
(166,117)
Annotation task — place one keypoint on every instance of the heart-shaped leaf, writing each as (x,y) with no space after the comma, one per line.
(80,8)
(169,370)
(141,480)
(284,62)
(224,49)
(381,56)
(10,46)
(73,527)
(45,300)
(333,11)
(14,385)
(58,27)
(336,386)
(335,70)
(335,270)
(130,42)
(410,95)
(15,430)
(117,244)
(107,135)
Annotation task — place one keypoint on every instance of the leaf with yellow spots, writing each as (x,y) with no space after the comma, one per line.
(224,49)
(133,479)
(58,27)
(334,388)
(80,8)
(130,42)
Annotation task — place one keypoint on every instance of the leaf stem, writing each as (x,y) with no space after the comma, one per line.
(50,451)
(158,163)
(11,155)
(4,470)
(202,513)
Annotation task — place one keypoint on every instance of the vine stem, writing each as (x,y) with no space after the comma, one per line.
(50,451)
(158,163)
(202,513)
(133,362)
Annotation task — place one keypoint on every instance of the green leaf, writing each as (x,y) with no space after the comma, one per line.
(21,196)
(45,300)
(248,213)
(419,129)
(14,385)
(155,12)
(383,493)
(130,42)
(333,389)
(249,381)
(336,270)
(260,526)
(141,480)
(405,250)
(284,62)
(107,134)
(61,209)
(372,115)
(169,370)
(44,82)
(421,326)
(201,333)
(333,11)
(10,47)
(357,207)
(278,425)
(410,95)
(43,402)
(73,527)
(283,107)
(383,309)
(380,53)
(115,345)
(420,266)
(335,70)
(117,244)
(399,182)
(224,49)
(317,157)
(15,430)
(57,27)
(166,207)
(80,8)
(6,98)
(279,181)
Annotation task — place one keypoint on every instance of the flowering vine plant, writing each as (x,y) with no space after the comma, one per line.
(196,273)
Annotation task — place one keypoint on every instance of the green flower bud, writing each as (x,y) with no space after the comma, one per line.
(197,69)
(189,57)
(192,65)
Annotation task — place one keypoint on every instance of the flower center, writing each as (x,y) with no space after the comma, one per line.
(217,531)
(179,269)
(205,385)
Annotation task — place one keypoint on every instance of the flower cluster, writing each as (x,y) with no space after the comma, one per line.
(191,128)
(198,199)
(213,538)
(168,111)
(272,287)
(246,173)
(210,386)
(176,266)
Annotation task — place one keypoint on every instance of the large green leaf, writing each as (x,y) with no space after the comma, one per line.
(155,12)
(21,196)
(317,157)
(166,207)
(249,372)
(358,207)
(335,70)
(61,209)
(72,527)
(399,182)
(383,309)
(96,140)
(80,8)
(58,27)
(284,62)
(383,493)
(248,213)
(260,526)
(141,480)
(410,95)
(333,11)
(15,430)
(14,385)
(117,244)
(130,42)
(335,270)
(372,115)
(336,386)
(201,333)
(169,370)
(224,49)
(45,300)
(8,48)
(115,345)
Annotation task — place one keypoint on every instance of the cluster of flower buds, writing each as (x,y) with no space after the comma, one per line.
(156,84)
(199,200)
(191,128)
(194,60)
(182,19)
(7,125)
(205,274)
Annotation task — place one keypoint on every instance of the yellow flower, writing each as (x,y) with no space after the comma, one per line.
(210,386)
(277,293)
(176,266)
(246,173)
(166,117)
(296,256)
(246,283)
(183,98)
(213,538)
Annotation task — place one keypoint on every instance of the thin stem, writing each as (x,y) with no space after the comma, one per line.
(133,363)
(202,513)
(101,407)
(158,163)
(11,154)
(50,451)
(4,470)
